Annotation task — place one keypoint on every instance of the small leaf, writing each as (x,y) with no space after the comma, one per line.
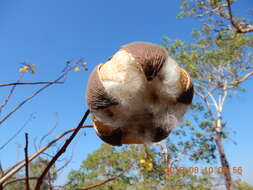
(21,70)
(76,69)
(26,68)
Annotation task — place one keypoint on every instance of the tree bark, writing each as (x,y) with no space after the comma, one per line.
(224,161)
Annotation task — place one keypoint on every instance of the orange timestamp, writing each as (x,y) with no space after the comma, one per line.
(205,170)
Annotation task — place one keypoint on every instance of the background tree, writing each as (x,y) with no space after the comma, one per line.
(218,13)
(147,173)
(219,60)
(17,182)
(240,185)
(218,44)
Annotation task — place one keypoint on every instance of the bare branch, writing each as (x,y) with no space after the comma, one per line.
(14,169)
(237,26)
(109,179)
(67,161)
(204,98)
(209,93)
(10,93)
(47,134)
(61,151)
(26,163)
(66,70)
(227,15)
(243,78)
(213,100)
(225,90)
(17,133)
(26,83)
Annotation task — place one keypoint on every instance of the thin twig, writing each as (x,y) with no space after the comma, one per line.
(47,134)
(10,93)
(14,169)
(26,83)
(26,163)
(243,78)
(49,181)
(17,133)
(109,179)
(66,70)
(61,151)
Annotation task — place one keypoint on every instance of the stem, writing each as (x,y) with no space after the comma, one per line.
(14,169)
(26,163)
(61,151)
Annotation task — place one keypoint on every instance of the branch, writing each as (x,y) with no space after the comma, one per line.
(204,98)
(17,133)
(47,134)
(225,94)
(209,93)
(67,161)
(213,99)
(10,93)
(26,83)
(61,151)
(26,163)
(229,16)
(66,70)
(14,169)
(237,26)
(243,78)
(109,179)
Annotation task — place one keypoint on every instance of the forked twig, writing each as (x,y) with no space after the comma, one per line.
(17,133)
(10,93)
(66,70)
(61,151)
(14,169)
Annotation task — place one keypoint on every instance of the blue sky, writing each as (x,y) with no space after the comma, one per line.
(48,33)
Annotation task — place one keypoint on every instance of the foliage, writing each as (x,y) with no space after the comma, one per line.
(240,185)
(217,13)
(108,161)
(216,63)
(219,59)
(35,169)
